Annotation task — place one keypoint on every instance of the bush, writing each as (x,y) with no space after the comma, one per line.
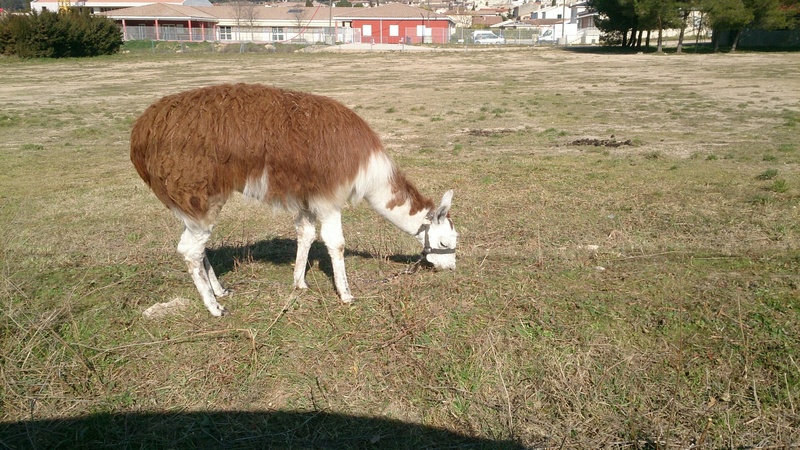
(58,35)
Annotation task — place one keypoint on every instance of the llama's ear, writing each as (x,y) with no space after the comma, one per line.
(444,207)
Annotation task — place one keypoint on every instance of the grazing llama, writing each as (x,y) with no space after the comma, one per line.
(303,153)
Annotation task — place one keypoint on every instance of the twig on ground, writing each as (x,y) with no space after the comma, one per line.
(102,351)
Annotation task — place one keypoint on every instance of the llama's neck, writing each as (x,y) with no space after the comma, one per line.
(399,202)
(402,216)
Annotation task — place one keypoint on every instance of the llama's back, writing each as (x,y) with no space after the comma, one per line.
(195,148)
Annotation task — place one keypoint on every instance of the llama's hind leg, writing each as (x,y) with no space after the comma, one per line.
(193,248)
(331,233)
(305,225)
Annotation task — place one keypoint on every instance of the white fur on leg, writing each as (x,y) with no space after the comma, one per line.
(304,224)
(331,233)
(219,291)
(193,248)
(200,278)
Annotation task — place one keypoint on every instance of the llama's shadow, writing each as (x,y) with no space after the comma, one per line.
(235,430)
(282,251)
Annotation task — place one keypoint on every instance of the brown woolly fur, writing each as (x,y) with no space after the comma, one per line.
(403,191)
(196,147)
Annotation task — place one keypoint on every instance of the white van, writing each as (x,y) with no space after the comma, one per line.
(487,37)
(547,37)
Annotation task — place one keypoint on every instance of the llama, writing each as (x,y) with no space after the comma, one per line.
(302,153)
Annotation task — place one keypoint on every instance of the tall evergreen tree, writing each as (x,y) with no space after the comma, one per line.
(685,8)
(729,15)
(658,15)
(735,15)
(616,18)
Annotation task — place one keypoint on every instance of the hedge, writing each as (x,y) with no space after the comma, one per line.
(58,35)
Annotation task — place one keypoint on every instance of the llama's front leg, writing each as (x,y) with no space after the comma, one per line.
(219,291)
(304,224)
(193,248)
(331,233)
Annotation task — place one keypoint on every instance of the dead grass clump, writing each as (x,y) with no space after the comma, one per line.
(601,142)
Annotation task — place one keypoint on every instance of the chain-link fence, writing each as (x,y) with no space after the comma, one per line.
(240,34)
(173,47)
(463,36)
(243,39)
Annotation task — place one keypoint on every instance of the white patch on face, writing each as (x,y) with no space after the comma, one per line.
(442,236)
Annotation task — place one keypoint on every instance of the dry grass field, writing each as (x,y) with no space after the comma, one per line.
(643,292)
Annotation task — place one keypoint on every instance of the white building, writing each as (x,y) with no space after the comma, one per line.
(96,6)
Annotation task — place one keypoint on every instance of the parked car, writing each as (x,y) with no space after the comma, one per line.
(487,37)
(547,37)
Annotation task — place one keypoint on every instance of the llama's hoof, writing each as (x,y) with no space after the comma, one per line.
(347,299)
(218,311)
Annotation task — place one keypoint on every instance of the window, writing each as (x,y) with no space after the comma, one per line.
(225,34)
(277,34)
(168,33)
(366,30)
(394,30)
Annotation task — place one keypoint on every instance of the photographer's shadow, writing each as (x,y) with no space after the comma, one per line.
(235,430)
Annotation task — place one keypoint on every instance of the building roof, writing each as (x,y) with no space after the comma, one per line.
(486,20)
(512,23)
(543,22)
(136,2)
(388,11)
(255,12)
(259,12)
(118,3)
(491,11)
(288,15)
(161,11)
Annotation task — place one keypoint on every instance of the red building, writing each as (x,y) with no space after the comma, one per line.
(396,23)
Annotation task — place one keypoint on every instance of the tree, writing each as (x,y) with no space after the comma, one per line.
(773,14)
(245,13)
(54,35)
(735,15)
(731,15)
(639,18)
(615,19)
(685,8)
(658,15)
(14,5)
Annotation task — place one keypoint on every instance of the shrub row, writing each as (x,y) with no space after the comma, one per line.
(58,35)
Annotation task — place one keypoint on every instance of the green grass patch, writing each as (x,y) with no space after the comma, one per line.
(631,296)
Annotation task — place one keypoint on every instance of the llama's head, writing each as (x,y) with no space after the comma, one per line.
(439,236)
